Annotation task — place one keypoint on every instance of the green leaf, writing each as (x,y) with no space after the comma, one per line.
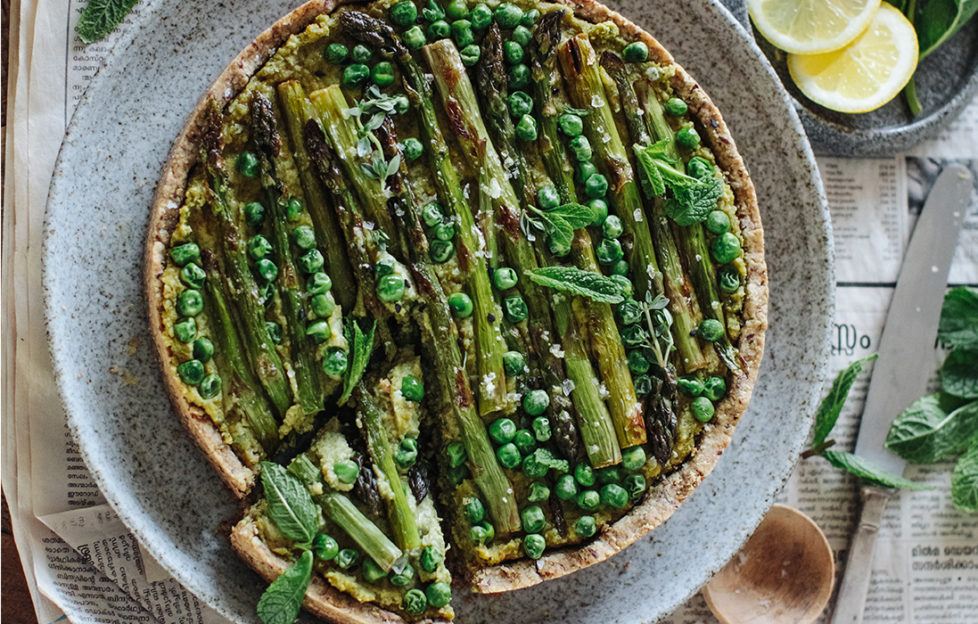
(865,469)
(100,17)
(831,406)
(290,506)
(361,346)
(577,282)
(964,481)
(959,318)
(692,199)
(936,21)
(959,374)
(925,432)
(559,223)
(282,599)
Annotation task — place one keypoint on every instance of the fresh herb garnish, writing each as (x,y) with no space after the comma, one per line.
(959,319)
(361,346)
(964,481)
(577,282)
(692,199)
(558,223)
(282,599)
(100,17)
(290,506)
(831,406)
(867,470)
(375,107)
(959,374)
(932,428)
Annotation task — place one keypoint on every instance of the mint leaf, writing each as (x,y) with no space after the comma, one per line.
(101,17)
(867,470)
(831,406)
(361,346)
(282,599)
(959,318)
(964,481)
(926,431)
(577,282)
(290,506)
(692,199)
(959,374)
(559,223)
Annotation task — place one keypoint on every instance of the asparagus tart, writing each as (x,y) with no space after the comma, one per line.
(467,290)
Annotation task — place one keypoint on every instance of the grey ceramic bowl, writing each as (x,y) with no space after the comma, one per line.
(164,490)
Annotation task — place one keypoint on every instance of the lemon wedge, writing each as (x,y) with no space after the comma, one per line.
(867,73)
(811,26)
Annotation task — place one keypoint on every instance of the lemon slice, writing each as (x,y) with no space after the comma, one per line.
(867,73)
(811,26)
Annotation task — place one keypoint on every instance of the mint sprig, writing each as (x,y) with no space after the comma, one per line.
(577,282)
(361,346)
(282,599)
(290,506)
(100,17)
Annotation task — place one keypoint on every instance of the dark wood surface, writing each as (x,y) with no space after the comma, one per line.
(15,601)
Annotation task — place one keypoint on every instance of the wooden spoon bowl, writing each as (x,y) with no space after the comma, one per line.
(783,574)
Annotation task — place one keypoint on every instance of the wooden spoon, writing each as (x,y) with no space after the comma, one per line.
(783,574)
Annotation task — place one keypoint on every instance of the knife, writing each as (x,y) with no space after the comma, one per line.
(908,333)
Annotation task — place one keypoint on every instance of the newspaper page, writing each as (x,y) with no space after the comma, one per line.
(80,559)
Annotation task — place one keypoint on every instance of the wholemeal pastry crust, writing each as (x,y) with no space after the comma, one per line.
(661,501)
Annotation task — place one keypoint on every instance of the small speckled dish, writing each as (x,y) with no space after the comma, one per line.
(163,488)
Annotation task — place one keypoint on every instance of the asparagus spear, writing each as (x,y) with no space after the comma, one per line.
(683,305)
(596,425)
(439,331)
(401,515)
(345,514)
(471,259)
(239,284)
(297,110)
(264,134)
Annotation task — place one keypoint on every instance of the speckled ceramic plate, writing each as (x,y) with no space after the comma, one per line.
(161,485)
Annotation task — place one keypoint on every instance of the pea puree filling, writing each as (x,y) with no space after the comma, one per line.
(453,264)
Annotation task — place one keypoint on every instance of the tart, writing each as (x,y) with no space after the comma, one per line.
(451,289)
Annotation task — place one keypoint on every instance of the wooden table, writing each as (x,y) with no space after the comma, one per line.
(15,601)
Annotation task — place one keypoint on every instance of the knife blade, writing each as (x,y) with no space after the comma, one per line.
(908,335)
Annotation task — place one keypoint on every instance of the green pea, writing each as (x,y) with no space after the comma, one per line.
(439,30)
(412,149)
(633,458)
(355,74)
(717,222)
(541,428)
(508,15)
(462,33)
(581,148)
(191,372)
(621,269)
(519,76)
(461,305)
(470,55)
(611,474)
(432,214)
(430,559)
(609,251)
(361,54)
(584,171)
(596,186)
(457,474)
(638,363)
(643,384)
(444,231)
(676,107)
(559,249)
(534,545)
(182,254)
(480,16)
(433,12)
(407,453)
(274,331)
(508,455)
(415,602)
(412,389)
(538,492)
(319,331)
(526,129)
(636,52)
(324,547)
(633,335)
(322,305)
(505,278)
(347,558)
(482,533)
(346,470)
(185,330)
(404,13)
(599,208)
(247,164)
(403,578)
(530,17)
(414,38)
(304,237)
(440,251)
(534,469)
(294,208)
(699,167)
(439,594)
(570,124)
(585,526)
(688,137)
(710,330)
(259,247)
(533,519)
(584,475)
(513,52)
(614,495)
(726,248)
(203,349)
(311,262)
(455,452)
(588,500)
(630,312)
(502,430)
(473,510)
(714,388)
(457,9)
(519,103)
(192,275)
(690,386)
(566,487)
(536,402)
(522,35)
(382,73)
(335,363)
(190,303)
(612,227)
(391,288)
(371,571)
(525,441)
(729,278)
(702,409)
(336,53)
(635,485)
(514,309)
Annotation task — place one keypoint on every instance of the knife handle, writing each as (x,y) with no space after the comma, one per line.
(851,601)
